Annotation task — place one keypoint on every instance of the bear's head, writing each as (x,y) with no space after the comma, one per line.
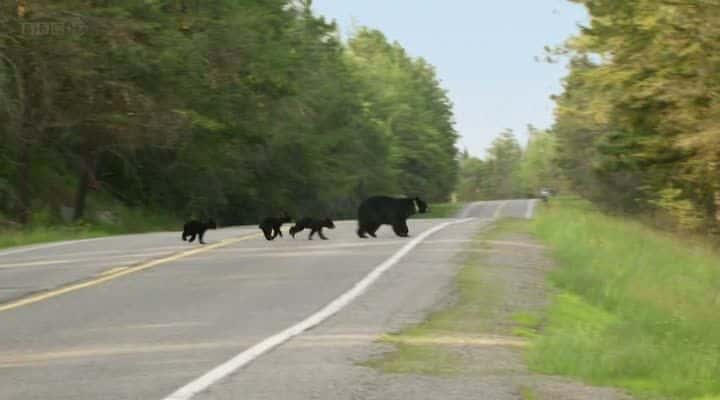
(211,224)
(420,206)
(327,223)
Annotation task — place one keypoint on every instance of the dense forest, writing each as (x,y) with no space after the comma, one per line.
(637,126)
(229,109)
(240,108)
(510,170)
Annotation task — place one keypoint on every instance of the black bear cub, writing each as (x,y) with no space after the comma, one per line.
(383,210)
(315,226)
(196,228)
(271,225)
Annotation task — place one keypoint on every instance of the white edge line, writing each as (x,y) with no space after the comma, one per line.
(469,208)
(221,371)
(499,209)
(530,209)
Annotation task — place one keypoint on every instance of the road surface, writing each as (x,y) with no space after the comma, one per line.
(144,316)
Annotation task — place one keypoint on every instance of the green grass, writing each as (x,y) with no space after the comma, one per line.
(507,226)
(35,235)
(44,230)
(467,316)
(527,325)
(527,393)
(638,309)
(442,210)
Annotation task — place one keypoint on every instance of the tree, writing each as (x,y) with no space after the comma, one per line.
(498,175)
(233,109)
(639,113)
(405,99)
(538,168)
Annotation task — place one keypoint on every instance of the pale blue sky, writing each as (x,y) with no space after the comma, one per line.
(484,52)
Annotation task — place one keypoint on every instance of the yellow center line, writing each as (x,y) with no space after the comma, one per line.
(111,275)
(30,358)
(47,262)
(112,271)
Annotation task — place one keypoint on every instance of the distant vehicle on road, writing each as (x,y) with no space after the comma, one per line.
(545,194)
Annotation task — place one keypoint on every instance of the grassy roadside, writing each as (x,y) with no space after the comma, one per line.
(442,210)
(127,221)
(430,347)
(637,309)
(47,234)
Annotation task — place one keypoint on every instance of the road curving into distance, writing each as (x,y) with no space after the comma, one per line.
(151,317)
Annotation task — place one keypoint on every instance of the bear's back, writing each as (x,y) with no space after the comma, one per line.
(386,208)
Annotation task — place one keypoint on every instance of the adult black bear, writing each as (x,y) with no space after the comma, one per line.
(196,228)
(383,210)
(315,226)
(271,225)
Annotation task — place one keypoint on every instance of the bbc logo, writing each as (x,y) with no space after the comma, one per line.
(47,26)
(73,26)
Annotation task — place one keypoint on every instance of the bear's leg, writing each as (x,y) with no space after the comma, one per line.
(200,236)
(278,231)
(372,229)
(400,229)
(293,230)
(361,232)
(405,229)
(192,238)
(397,229)
(321,234)
(268,233)
(312,232)
(185,235)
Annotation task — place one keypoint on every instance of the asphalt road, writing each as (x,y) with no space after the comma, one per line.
(141,316)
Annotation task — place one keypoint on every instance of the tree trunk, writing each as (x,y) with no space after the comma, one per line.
(24,201)
(87,169)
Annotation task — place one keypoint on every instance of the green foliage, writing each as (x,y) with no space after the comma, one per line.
(412,112)
(472,178)
(680,209)
(637,309)
(442,210)
(498,176)
(538,168)
(232,109)
(46,227)
(640,112)
(30,236)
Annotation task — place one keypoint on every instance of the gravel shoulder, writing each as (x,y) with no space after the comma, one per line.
(331,361)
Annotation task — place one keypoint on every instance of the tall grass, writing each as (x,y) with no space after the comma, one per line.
(46,229)
(639,309)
